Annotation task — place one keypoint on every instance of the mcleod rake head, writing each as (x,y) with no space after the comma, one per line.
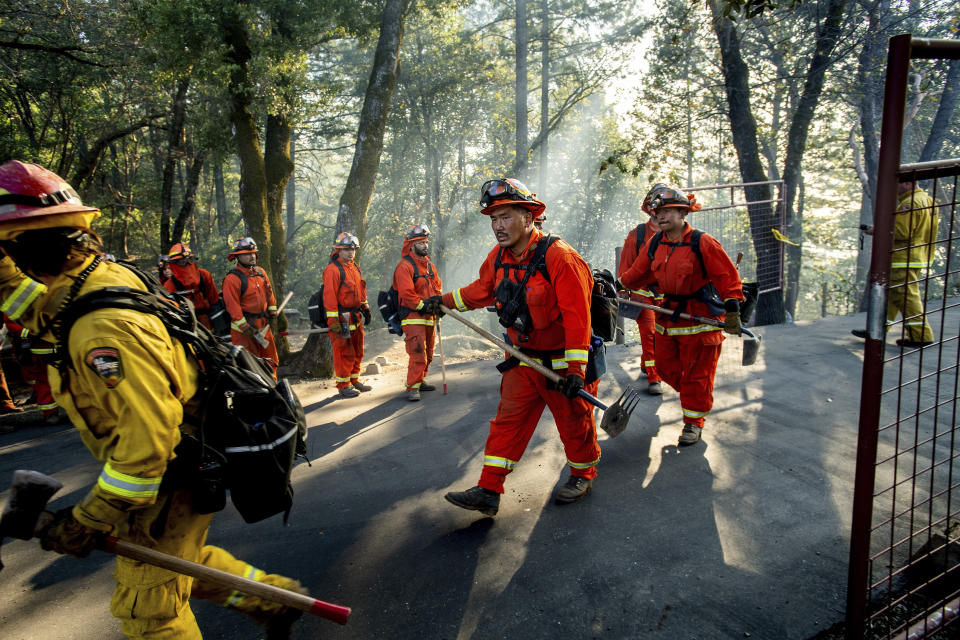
(616,417)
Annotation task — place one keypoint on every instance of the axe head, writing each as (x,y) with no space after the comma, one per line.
(29,494)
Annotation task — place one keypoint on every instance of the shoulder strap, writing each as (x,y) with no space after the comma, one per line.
(641,236)
(243,280)
(539,259)
(413,263)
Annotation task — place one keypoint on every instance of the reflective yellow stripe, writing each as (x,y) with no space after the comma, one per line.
(339,379)
(272,307)
(427,322)
(555,363)
(582,465)
(458,300)
(24,333)
(910,265)
(690,413)
(419,306)
(575,355)
(250,573)
(121,484)
(333,314)
(45,407)
(413,386)
(42,351)
(238,324)
(18,301)
(649,363)
(686,331)
(503,463)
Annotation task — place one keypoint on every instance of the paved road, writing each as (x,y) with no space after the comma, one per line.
(742,535)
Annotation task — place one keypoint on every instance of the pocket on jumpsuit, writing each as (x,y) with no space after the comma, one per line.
(543,306)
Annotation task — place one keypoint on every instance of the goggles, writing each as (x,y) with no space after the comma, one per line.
(346,240)
(503,189)
(64,196)
(418,231)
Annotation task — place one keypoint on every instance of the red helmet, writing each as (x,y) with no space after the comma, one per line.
(180,250)
(417,232)
(660,195)
(30,195)
(501,192)
(346,240)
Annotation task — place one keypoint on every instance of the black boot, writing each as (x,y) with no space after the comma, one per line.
(476,498)
(576,488)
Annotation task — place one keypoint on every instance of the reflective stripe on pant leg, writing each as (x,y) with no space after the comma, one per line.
(342,359)
(646,323)
(698,355)
(578,431)
(413,342)
(521,405)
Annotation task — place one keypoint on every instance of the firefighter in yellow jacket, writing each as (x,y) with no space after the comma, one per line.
(914,244)
(124,384)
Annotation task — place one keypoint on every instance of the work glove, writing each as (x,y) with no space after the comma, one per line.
(431,306)
(366,315)
(273,313)
(731,323)
(570,385)
(621,289)
(335,327)
(65,535)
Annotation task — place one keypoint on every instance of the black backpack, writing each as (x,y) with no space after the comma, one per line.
(388,301)
(603,298)
(247,428)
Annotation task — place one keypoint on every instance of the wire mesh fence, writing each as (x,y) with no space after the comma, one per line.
(904,579)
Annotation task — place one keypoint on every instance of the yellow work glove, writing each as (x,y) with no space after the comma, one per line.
(64,534)
(731,323)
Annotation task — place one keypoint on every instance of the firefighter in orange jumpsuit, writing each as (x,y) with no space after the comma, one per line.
(416,279)
(250,302)
(548,318)
(646,319)
(124,385)
(687,350)
(345,302)
(31,353)
(192,282)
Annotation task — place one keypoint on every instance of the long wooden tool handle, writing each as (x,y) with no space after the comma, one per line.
(284,303)
(519,355)
(337,613)
(685,316)
(443,363)
(303,332)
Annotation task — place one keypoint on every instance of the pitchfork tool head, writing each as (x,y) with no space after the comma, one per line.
(615,418)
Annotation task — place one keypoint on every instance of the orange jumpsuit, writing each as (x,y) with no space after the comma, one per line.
(342,301)
(251,311)
(418,328)
(560,309)
(197,286)
(687,350)
(33,366)
(646,319)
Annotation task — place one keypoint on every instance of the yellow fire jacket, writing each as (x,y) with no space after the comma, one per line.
(124,391)
(914,231)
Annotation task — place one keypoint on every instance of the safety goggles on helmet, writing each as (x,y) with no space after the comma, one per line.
(65,196)
(180,254)
(244,245)
(504,189)
(346,240)
(661,196)
(418,231)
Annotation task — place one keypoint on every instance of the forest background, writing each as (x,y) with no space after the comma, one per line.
(290,120)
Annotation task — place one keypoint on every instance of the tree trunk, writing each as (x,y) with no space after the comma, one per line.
(827,37)
(178,116)
(520,74)
(315,359)
(189,200)
(221,198)
(941,121)
(292,191)
(544,95)
(743,128)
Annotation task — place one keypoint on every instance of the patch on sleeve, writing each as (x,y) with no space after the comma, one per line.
(105,362)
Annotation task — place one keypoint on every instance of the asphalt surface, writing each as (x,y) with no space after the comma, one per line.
(742,535)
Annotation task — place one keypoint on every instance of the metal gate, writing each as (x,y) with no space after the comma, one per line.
(904,573)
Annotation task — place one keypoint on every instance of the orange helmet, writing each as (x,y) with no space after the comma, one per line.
(346,240)
(660,195)
(417,232)
(501,192)
(32,197)
(180,250)
(243,245)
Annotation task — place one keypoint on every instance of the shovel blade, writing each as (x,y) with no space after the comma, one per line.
(751,348)
(615,418)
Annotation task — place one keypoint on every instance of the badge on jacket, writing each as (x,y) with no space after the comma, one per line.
(105,362)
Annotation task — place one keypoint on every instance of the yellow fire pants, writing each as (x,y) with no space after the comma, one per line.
(154,603)
(904,298)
